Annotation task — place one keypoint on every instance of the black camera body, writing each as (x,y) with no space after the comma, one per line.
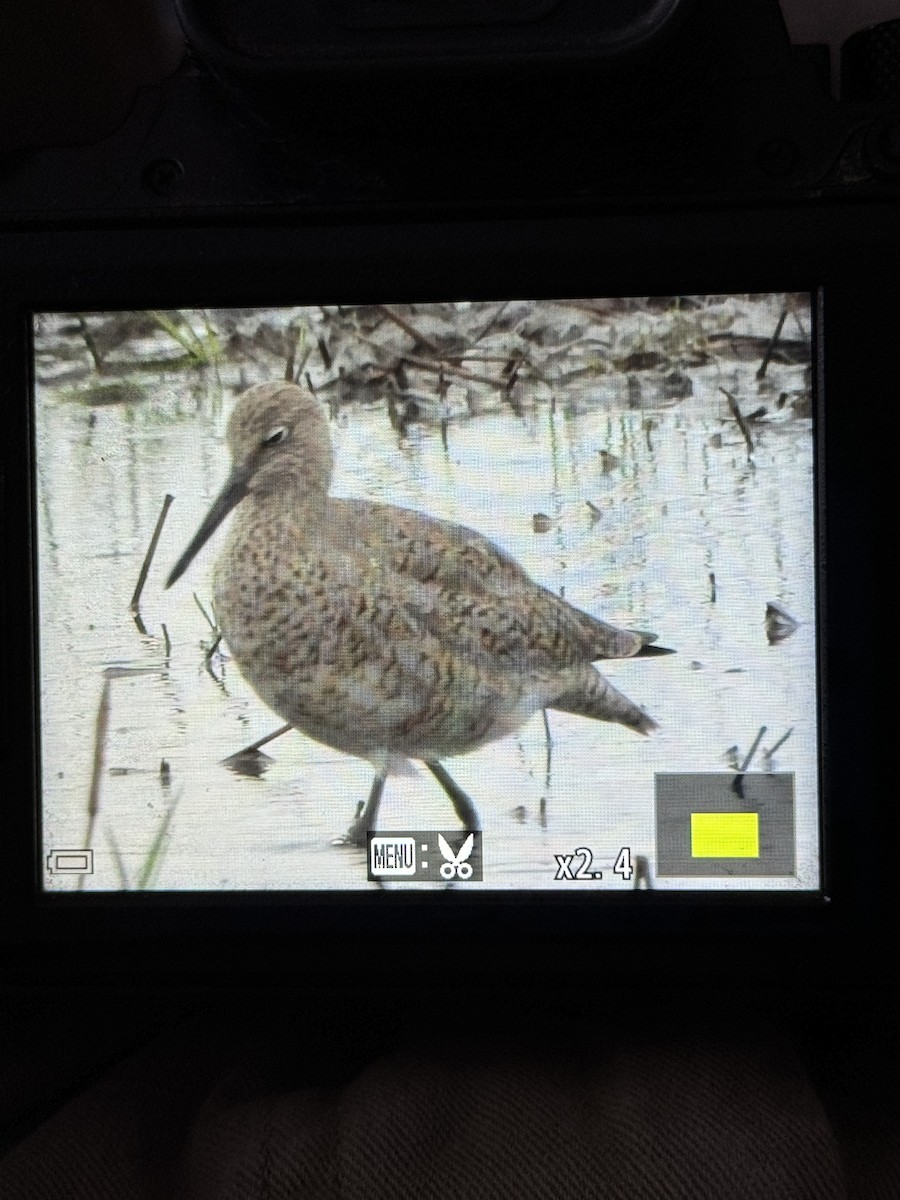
(315,111)
(357,155)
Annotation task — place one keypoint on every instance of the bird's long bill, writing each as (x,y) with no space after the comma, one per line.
(232,493)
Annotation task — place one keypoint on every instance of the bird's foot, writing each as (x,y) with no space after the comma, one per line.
(355,837)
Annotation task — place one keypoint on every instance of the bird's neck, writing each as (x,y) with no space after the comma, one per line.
(293,499)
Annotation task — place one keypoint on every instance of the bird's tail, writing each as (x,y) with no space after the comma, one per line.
(648,650)
(595,697)
(608,641)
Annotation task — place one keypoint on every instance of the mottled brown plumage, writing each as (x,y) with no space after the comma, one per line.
(378,630)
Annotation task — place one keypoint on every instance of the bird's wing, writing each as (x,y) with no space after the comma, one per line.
(425,547)
(351,646)
(528,629)
(467,564)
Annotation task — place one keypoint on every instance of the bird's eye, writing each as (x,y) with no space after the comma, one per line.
(276,436)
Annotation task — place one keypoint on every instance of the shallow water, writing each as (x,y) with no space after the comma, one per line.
(680,503)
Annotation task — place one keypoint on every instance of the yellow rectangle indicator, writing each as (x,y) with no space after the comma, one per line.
(724,835)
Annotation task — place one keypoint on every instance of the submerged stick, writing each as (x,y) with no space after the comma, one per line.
(548,760)
(118,860)
(773,342)
(91,345)
(548,767)
(210,622)
(152,862)
(407,326)
(491,323)
(135,607)
(749,759)
(784,737)
(738,416)
(263,741)
(643,881)
(293,368)
(101,724)
(738,786)
(208,656)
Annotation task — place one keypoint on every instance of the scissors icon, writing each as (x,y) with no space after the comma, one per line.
(455,864)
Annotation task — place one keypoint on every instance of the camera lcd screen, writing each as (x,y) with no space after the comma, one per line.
(516,595)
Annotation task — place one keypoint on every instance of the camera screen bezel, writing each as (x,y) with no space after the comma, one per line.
(820,251)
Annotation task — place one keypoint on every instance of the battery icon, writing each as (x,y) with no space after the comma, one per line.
(70,862)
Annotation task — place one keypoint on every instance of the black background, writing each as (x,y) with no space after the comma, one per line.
(81,990)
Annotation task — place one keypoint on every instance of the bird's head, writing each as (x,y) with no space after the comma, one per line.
(280,447)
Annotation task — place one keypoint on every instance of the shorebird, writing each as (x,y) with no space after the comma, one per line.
(381,631)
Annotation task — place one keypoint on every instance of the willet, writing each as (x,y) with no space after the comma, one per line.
(381,631)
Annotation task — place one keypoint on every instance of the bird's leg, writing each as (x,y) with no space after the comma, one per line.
(464,807)
(365,815)
(370,812)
